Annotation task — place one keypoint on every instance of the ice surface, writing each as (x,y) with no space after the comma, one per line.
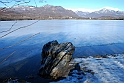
(90,37)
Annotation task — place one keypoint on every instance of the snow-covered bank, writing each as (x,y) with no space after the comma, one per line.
(109,69)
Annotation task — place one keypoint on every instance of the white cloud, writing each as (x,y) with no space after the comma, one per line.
(111,8)
(81,9)
(92,10)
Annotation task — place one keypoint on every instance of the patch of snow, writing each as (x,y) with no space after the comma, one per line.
(98,70)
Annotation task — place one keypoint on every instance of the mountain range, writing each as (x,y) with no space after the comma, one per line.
(101,13)
(56,12)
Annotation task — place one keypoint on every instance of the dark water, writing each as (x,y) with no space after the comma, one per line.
(21,42)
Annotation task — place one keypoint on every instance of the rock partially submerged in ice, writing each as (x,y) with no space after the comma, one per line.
(55,59)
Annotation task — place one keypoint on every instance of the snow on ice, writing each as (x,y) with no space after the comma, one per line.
(108,69)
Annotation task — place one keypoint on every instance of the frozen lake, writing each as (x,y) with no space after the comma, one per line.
(20,40)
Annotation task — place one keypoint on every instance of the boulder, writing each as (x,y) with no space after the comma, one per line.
(55,59)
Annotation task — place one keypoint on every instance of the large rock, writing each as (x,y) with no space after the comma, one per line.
(55,59)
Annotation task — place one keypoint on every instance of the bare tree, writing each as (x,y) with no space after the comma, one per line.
(7,5)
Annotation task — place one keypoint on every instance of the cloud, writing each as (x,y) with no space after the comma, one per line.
(81,9)
(111,8)
(92,10)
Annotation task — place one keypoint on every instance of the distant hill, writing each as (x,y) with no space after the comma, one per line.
(102,13)
(31,12)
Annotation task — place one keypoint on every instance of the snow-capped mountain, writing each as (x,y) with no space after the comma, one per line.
(58,12)
(22,8)
(101,12)
(31,12)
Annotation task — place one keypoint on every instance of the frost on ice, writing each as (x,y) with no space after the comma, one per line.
(108,69)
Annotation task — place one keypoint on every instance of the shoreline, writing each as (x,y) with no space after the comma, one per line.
(96,67)
(56,19)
